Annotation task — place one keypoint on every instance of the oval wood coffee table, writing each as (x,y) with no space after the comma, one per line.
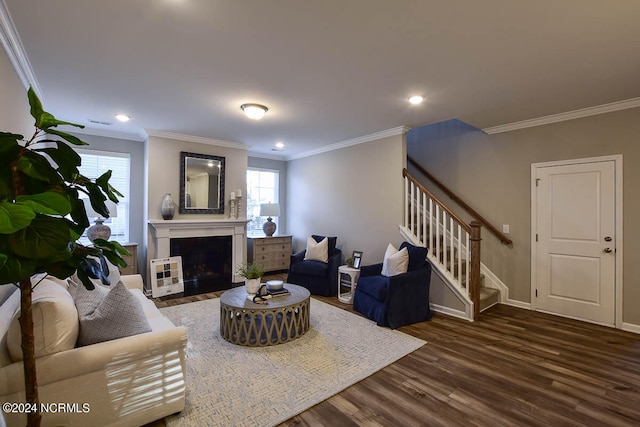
(282,319)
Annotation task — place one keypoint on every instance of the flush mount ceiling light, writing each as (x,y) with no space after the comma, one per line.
(123,117)
(278,146)
(254,111)
(416,99)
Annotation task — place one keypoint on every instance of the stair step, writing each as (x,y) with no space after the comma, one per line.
(488,297)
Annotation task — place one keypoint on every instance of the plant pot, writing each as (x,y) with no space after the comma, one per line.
(251,285)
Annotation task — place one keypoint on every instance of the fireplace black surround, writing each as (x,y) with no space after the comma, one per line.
(206,263)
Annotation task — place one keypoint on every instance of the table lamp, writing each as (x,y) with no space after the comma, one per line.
(99,230)
(269,210)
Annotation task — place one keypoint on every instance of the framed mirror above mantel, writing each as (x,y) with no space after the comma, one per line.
(201,183)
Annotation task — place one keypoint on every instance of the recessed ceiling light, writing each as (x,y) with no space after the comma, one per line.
(254,111)
(279,145)
(123,117)
(416,99)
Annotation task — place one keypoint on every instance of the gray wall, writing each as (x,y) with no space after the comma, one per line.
(163,174)
(136,149)
(281,167)
(492,173)
(354,193)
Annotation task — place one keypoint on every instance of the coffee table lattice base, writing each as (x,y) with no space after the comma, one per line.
(264,326)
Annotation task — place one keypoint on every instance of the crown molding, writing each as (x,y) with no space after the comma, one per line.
(15,51)
(138,136)
(267,156)
(196,139)
(569,115)
(400,130)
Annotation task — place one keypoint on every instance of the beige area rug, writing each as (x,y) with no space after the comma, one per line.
(230,385)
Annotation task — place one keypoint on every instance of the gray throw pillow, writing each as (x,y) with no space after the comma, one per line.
(107,314)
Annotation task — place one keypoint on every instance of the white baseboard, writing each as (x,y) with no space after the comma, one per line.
(519,304)
(450,311)
(630,327)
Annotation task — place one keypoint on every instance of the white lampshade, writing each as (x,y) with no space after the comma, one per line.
(270,209)
(99,230)
(111,207)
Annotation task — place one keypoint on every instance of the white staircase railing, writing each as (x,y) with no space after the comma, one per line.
(454,246)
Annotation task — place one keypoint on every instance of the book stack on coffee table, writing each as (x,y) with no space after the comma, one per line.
(279,292)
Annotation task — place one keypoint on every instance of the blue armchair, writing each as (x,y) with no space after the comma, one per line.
(397,300)
(319,277)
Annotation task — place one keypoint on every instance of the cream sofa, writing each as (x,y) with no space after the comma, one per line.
(123,382)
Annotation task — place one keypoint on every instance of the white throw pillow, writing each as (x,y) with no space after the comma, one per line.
(395,261)
(55,322)
(317,251)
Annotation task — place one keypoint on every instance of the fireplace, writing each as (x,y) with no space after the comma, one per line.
(206,262)
(163,233)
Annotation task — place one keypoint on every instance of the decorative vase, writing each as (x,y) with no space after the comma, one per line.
(168,209)
(251,285)
(269,227)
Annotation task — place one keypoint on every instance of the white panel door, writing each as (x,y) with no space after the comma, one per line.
(576,241)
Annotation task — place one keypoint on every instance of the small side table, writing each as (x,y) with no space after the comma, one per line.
(347,277)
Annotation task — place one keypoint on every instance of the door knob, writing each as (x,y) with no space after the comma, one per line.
(607,250)
(607,239)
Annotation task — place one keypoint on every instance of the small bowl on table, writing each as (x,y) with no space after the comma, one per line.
(275,285)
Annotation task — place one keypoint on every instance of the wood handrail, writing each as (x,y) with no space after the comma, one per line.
(503,239)
(464,225)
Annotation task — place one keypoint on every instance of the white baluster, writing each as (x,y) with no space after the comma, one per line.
(444,240)
(467,263)
(406,202)
(413,209)
(424,221)
(437,236)
(451,246)
(459,254)
(431,228)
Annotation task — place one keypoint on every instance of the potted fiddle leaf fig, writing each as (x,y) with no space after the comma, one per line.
(41,219)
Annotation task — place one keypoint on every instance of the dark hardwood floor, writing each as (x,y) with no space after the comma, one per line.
(514,367)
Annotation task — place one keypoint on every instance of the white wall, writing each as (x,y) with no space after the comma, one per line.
(354,193)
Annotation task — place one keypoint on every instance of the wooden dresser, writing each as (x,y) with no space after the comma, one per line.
(132,260)
(273,253)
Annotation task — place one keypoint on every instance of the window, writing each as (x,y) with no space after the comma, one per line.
(94,164)
(262,188)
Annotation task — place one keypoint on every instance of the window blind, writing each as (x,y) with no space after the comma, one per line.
(262,187)
(94,164)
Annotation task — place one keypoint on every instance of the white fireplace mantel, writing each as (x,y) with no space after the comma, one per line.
(163,231)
